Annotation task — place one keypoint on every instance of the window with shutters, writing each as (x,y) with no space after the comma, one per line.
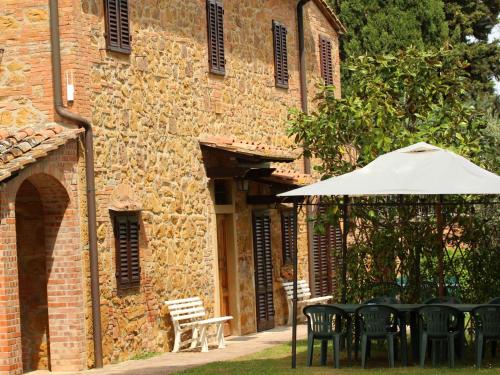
(280,55)
(325,54)
(128,268)
(215,26)
(117,26)
(287,235)
(327,250)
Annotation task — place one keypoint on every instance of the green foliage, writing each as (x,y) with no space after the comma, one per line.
(375,27)
(394,101)
(380,26)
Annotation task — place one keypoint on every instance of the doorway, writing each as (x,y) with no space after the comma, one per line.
(225,259)
(32,271)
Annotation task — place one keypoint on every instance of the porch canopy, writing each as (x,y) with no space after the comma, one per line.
(420,169)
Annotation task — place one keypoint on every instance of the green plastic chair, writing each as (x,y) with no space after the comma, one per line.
(486,320)
(438,323)
(377,322)
(326,323)
(375,301)
(494,301)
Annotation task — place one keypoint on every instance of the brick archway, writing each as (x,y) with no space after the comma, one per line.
(40,243)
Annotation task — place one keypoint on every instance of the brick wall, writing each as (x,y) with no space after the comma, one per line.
(55,181)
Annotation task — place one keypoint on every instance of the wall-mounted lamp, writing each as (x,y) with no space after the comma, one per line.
(242,184)
(1,54)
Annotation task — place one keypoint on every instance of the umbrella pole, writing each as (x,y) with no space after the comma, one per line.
(344,247)
(441,245)
(295,276)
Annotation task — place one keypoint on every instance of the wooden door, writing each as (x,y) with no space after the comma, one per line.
(223,227)
(263,270)
(327,249)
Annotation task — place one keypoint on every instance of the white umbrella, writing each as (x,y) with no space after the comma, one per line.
(419,169)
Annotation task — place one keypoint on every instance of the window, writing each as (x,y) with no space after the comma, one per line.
(128,269)
(287,235)
(280,55)
(325,56)
(117,26)
(215,26)
(222,191)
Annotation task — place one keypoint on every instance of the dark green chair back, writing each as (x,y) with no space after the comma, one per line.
(322,319)
(447,299)
(439,320)
(377,320)
(495,301)
(487,319)
(381,300)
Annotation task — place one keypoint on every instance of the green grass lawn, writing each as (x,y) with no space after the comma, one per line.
(276,360)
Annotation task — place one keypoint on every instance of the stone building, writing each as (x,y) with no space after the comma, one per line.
(188,102)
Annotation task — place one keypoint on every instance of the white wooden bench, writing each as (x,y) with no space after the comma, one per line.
(188,314)
(303,297)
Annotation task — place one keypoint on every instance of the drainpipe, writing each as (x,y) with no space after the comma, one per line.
(89,174)
(303,103)
(302,66)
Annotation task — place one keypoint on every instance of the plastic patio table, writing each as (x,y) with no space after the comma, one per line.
(410,308)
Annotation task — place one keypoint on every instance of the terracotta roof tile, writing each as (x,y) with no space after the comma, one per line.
(229,144)
(290,177)
(21,147)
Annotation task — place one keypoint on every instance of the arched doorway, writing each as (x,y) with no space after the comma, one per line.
(41,221)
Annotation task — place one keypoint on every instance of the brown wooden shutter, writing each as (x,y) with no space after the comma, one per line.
(280,55)
(118,26)
(263,270)
(287,237)
(215,26)
(327,250)
(128,269)
(325,50)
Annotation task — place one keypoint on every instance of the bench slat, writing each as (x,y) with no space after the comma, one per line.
(191,316)
(180,313)
(185,305)
(184,300)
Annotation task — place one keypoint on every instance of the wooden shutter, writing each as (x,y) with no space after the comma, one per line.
(325,53)
(280,55)
(118,26)
(327,249)
(263,270)
(128,269)
(287,236)
(215,26)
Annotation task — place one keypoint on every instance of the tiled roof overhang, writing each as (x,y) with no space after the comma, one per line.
(22,147)
(330,16)
(285,176)
(250,151)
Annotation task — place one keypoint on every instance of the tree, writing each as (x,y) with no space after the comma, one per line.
(380,26)
(376,27)
(395,100)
